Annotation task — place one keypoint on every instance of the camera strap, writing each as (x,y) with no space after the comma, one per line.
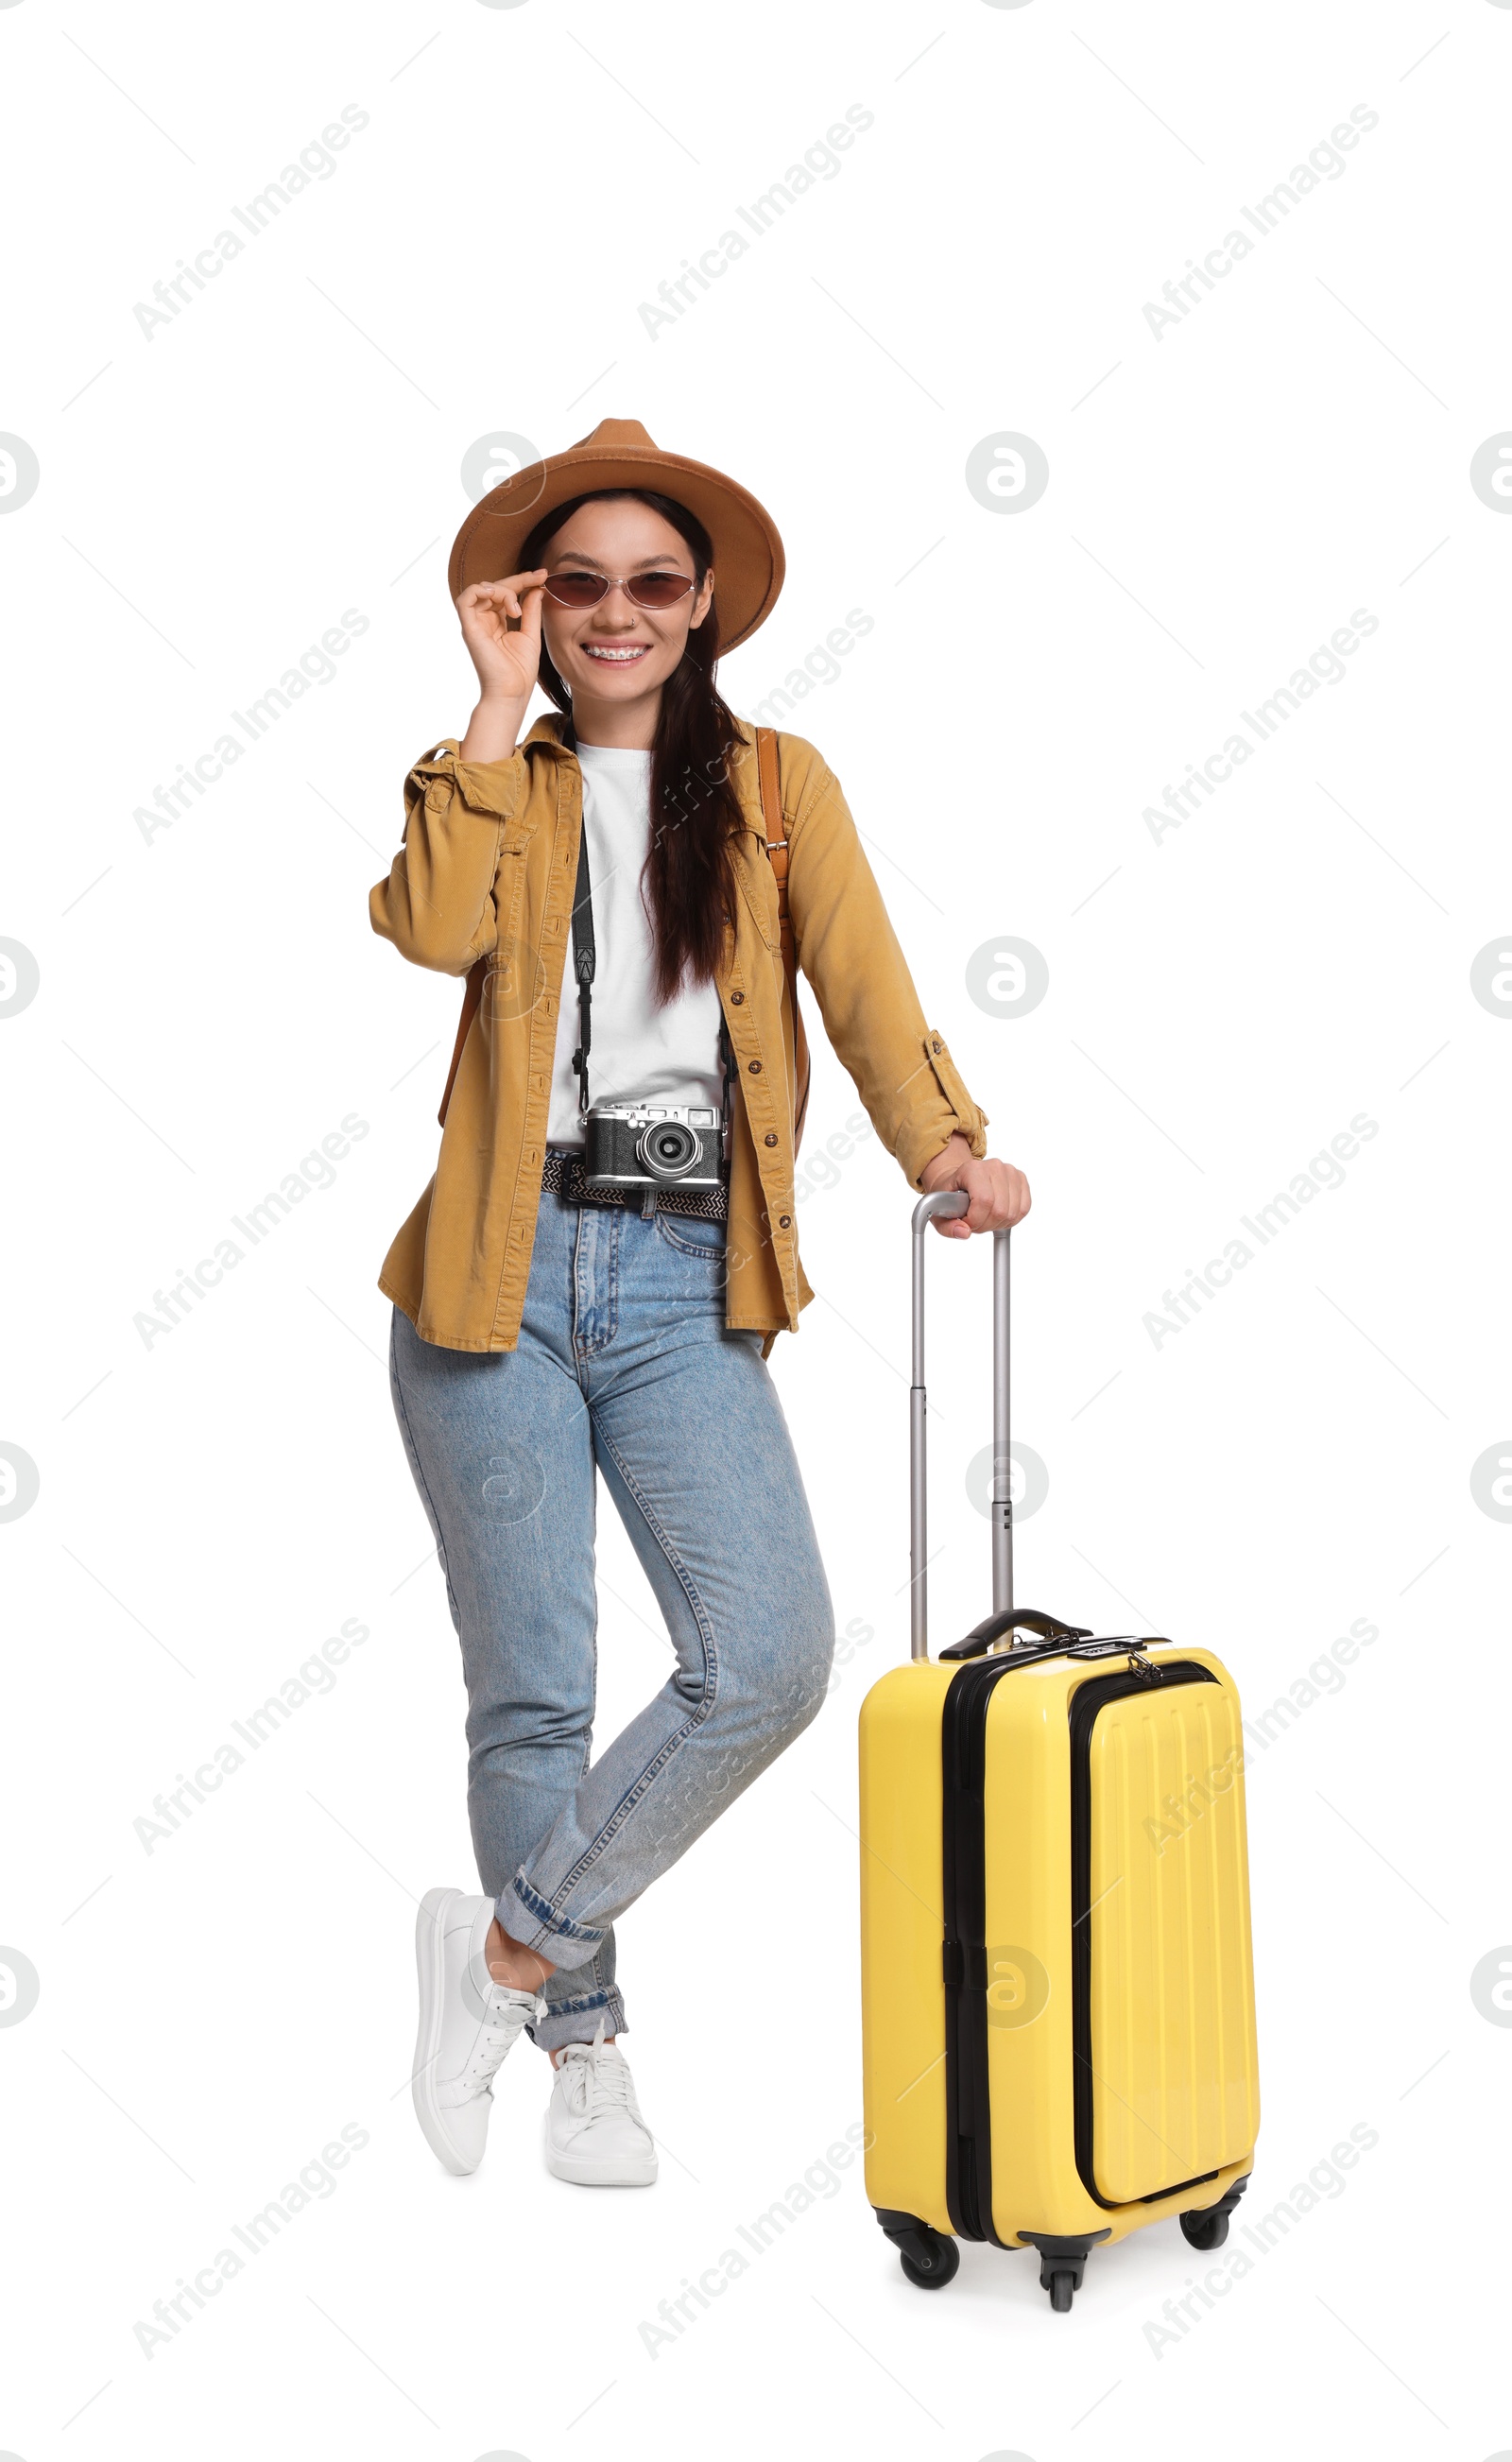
(728,1055)
(585,959)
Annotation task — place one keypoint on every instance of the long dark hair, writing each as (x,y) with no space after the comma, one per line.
(689,878)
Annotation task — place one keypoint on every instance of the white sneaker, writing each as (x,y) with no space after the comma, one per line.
(468,2022)
(595,2133)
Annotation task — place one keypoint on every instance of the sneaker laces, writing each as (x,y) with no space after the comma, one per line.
(506,2013)
(598,2078)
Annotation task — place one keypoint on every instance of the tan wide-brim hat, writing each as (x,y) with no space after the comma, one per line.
(748,561)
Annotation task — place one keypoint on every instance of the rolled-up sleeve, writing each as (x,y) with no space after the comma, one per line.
(437,904)
(913,1092)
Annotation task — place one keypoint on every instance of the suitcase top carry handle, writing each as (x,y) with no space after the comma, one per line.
(953,1201)
(1049,1628)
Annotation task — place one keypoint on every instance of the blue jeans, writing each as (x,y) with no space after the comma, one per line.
(625,1365)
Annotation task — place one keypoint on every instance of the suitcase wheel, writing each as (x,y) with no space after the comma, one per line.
(1061,2263)
(1207,2227)
(936,2266)
(928,2258)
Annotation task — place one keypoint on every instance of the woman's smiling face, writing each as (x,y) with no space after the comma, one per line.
(618,652)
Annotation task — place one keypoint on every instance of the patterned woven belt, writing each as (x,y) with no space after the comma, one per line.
(562,1174)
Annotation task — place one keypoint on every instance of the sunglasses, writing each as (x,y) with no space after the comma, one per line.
(581,590)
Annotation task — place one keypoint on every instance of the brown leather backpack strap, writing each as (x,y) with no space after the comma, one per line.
(770,780)
(471,1001)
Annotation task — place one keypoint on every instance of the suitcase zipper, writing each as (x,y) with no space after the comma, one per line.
(969,2144)
(964,1729)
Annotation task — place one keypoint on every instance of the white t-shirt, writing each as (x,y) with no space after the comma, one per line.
(669,1054)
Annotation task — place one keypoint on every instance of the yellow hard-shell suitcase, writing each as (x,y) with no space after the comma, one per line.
(1058,2009)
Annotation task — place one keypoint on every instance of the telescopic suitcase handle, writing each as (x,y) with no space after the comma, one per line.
(1004,1617)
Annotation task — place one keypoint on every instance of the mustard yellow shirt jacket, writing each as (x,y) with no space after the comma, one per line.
(487,871)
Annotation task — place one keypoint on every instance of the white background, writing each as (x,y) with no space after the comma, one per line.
(1220,1004)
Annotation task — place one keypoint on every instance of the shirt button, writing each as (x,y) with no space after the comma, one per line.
(771,1140)
(754,1065)
(735,998)
(784,1222)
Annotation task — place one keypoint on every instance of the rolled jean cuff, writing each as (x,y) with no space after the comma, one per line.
(534,1923)
(578,2020)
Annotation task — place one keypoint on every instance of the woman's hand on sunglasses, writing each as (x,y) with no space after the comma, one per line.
(506,659)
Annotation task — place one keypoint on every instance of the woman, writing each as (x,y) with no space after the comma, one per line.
(547,1330)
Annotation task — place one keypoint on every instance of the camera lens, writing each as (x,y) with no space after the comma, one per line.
(667,1149)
